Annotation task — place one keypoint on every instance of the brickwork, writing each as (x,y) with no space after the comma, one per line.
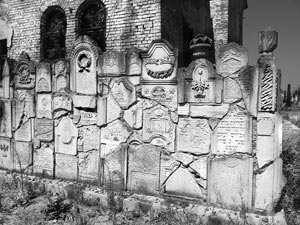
(129,23)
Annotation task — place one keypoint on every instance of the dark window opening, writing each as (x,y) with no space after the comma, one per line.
(53,34)
(181,21)
(91,21)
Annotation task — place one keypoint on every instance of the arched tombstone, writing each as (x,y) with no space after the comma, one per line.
(60,75)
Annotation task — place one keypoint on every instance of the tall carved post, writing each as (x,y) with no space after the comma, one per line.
(268,175)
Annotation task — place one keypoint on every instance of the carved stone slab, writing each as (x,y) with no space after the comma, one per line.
(84,101)
(60,75)
(123,91)
(268,40)
(143,169)
(112,63)
(88,163)
(83,66)
(25,105)
(43,161)
(43,78)
(44,106)
(232,91)
(6,120)
(6,156)
(86,118)
(158,128)
(231,59)
(66,135)
(230,182)
(66,166)
(233,133)
(134,116)
(5,81)
(23,155)
(24,132)
(159,62)
(62,103)
(265,124)
(90,138)
(193,135)
(134,62)
(44,129)
(164,94)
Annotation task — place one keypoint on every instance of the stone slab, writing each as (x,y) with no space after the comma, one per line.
(230,182)
(24,75)
(193,135)
(232,91)
(44,129)
(88,165)
(66,166)
(207,111)
(43,163)
(23,156)
(6,154)
(86,117)
(84,101)
(44,106)
(6,120)
(265,124)
(134,62)
(90,138)
(25,131)
(123,92)
(112,63)
(61,75)
(134,116)
(43,78)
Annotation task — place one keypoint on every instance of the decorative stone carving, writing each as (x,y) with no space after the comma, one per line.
(112,63)
(43,78)
(193,135)
(6,120)
(66,135)
(84,56)
(163,94)
(24,72)
(232,58)
(230,182)
(44,106)
(23,155)
(86,118)
(66,166)
(44,129)
(84,101)
(88,165)
(6,156)
(268,40)
(123,91)
(43,161)
(60,75)
(159,62)
(134,62)
(158,128)
(90,138)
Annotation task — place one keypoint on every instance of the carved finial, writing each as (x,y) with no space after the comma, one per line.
(268,40)
(200,46)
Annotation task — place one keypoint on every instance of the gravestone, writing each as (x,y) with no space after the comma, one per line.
(23,155)
(43,78)
(5,81)
(24,105)
(62,104)
(43,161)
(230,182)
(6,155)
(24,72)
(44,129)
(159,63)
(24,131)
(232,92)
(268,41)
(123,91)
(60,75)
(88,166)
(86,118)
(84,101)
(134,62)
(66,135)
(44,106)
(143,169)
(90,137)
(193,135)
(134,116)
(66,166)
(112,63)
(233,133)
(6,120)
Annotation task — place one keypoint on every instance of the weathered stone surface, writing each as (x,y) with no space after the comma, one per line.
(159,62)
(90,137)
(113,110)
(44,129)
(103,85)
(193,135)
(6,155)
(183,158)
(163,94)
(66,166)
(85,118)
(5,81)
(213,122)
(266,150)
(233,133)
(66,135)
(6,31)
(158,128)
(123,92)
(88,164)
(230,182)
(200,166)
(268,40)
(43,78)
(183,110)
(102,111)
(44,106)
(269,184)
(84,101)
(134,62)
(143,169)
(207,111)
(43,160)
(135,80)
(62,103)
(6,120)
(24,132)
(265,124)
(232,91)
(23,155)
(25,105)
(231,59)
(61,75)
(112,63)
(134,116)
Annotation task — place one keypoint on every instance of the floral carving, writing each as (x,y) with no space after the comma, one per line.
(84,62)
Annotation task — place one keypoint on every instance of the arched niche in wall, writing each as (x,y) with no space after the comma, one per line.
(53,33)
(91,21)
(181,21)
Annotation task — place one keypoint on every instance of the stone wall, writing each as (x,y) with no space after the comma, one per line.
(135,121)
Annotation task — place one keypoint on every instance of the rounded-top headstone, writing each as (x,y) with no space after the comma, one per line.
(231,59)
(268,40)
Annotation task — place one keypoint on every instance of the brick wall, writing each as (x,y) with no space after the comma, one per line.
(129,23)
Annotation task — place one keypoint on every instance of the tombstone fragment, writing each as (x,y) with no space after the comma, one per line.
(88,166)
(44,106)
(5,120)
(61,75)
(134,62)
(66,166)
(24,131)
(44,129)
(112,63)
(123,92)
(6,154)
(43,161)
(23,155)
(268,40)
(43,78)
(90,137)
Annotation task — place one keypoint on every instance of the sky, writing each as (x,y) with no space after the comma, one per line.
(284,17)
